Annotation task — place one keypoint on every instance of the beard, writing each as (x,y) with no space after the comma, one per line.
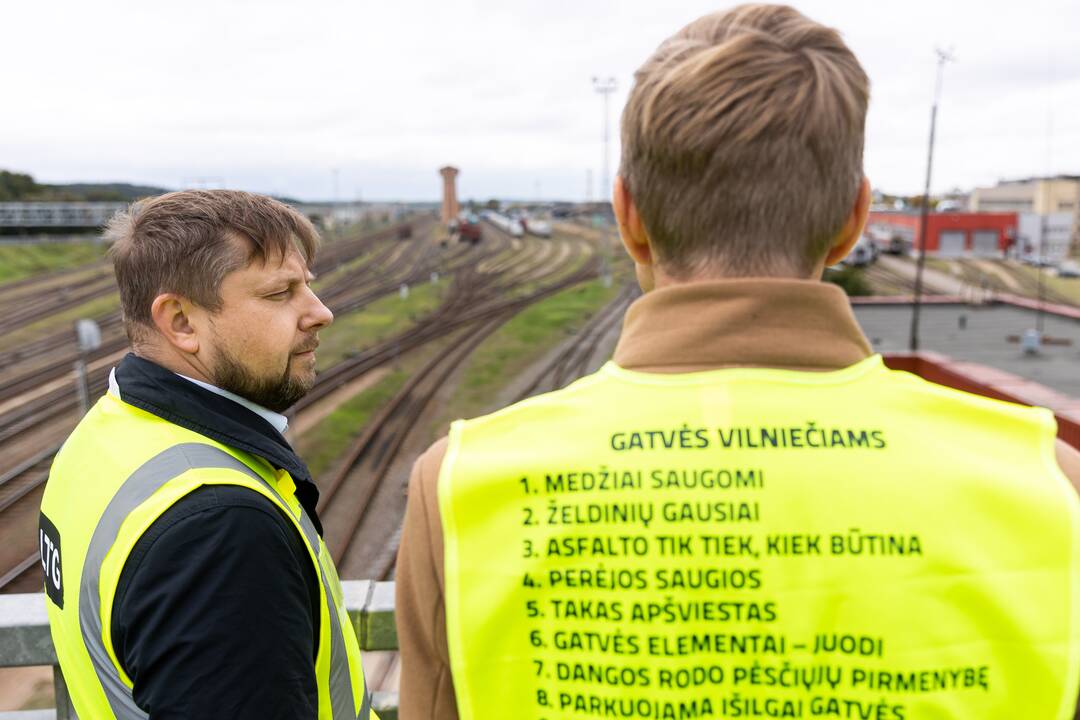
(277,393)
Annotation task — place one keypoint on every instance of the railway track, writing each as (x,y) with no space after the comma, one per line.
(477,304)
(977,279)
(60,402)
(35,284)
(1029,286)
(51,302)
(576,358)
(893,282)
(367,463)
(52,356)
(20,497)
(23,485)
(363,498)
(362,505)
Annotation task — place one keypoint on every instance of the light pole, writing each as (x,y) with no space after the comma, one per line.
(943,57)
(605,86)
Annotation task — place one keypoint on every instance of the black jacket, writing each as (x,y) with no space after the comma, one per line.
(217,609)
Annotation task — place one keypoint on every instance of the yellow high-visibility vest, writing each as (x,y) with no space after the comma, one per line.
(117,473)
(758,543)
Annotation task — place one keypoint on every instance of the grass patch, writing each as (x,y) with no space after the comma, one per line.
(329,438)
(1066,287)
(521,341)
(375,322)
(19,261)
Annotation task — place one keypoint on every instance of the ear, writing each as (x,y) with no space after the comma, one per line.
(171,315)
(631,230)
(853,228)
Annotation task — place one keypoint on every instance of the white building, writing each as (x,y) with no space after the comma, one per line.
(1054,201)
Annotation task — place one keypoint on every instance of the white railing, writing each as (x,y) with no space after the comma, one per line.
(25,640)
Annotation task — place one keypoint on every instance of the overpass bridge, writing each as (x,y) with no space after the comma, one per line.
(57,215)
(27,217)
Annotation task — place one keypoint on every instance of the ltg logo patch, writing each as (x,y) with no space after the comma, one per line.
(49,545)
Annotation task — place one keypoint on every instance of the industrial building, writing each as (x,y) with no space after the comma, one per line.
(950,234)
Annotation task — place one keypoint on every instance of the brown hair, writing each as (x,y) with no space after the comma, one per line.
(187,242)
(742,142)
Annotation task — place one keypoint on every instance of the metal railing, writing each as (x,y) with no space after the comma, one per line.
(993,383)
(25,640)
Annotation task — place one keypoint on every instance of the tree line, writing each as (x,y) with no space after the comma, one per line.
(21,187)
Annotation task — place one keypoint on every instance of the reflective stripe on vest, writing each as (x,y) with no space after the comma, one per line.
(140,486)
(761,543)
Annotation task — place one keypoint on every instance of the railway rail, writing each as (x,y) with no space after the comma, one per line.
(575,359)
(57,278)
(51,356)
(38,306)
(56,353)
(476,298)
(22,485)
(363,498)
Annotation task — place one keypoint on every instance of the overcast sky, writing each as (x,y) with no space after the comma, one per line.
(273,96)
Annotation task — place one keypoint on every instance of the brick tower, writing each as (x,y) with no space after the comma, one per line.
(449,196)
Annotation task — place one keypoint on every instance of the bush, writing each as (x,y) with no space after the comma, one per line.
(851,279)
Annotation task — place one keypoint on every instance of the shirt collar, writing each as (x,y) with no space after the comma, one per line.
(143,384)
(278,421)
(748,322)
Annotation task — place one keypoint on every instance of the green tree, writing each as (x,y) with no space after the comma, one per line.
(16,186)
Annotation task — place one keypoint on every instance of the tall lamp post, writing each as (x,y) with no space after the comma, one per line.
(605,86)
(943,57)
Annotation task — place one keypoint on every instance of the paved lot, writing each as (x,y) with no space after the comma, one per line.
(983,340)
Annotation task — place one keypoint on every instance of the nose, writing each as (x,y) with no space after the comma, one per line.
(317,315)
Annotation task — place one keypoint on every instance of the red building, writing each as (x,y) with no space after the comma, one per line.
(949,234)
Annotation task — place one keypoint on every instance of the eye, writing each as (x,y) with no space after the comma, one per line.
(280,295)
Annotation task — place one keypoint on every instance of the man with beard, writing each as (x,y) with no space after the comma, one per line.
(185,571)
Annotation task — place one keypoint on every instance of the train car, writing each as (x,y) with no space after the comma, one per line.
(509,225)
(539,228)
(468,230)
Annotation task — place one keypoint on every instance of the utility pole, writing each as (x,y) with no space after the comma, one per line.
(605,86)
(943,57)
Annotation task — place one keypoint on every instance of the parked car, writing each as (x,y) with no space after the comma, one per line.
(1068,269)
(864,253)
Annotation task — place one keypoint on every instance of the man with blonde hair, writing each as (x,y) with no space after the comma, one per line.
(745,513)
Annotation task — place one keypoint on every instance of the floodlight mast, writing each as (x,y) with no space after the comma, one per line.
(944,56)
(605,86)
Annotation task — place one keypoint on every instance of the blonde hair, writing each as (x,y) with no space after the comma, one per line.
(742,142)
